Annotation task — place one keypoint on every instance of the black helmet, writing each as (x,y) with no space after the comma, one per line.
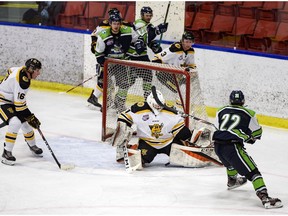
(33,63)
(188,36)
(237,98)
(113,11)
(115,18)
(147,10)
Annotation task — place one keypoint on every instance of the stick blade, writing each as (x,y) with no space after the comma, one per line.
(67,166)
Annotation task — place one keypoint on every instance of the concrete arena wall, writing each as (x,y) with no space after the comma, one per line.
(61,53)
(67,59)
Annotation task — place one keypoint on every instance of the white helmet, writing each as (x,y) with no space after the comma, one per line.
(153,104)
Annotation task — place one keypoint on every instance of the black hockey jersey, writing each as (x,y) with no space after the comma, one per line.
(237,123)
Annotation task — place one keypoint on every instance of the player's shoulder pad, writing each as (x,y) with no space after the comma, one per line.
(24,82)
(176,47)
(139,23)
(105,33)
(173,109)
(125,29)
(104,23)
(140,106)
(191,51)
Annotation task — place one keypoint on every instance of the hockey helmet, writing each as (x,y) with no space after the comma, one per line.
(156,108)
(237,98)
(146,10)
(115,18)
(188,36)
(113,11)
(33,64)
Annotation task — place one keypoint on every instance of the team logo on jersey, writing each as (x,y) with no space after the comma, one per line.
(10,110)
(177,45)
(144,152)
(25,79)
(145,117)
(156,130)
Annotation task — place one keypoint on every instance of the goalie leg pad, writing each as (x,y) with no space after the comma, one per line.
(122,132)
(193,156)
(134,156)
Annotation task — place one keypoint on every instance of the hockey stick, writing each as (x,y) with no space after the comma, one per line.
(78,85)
(153,89)
(165,19)
(61,166)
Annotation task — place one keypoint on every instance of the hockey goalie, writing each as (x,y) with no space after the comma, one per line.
(161,131)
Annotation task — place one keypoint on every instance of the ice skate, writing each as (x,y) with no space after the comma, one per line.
(36,151)
(8,158)
(93,102)
(267,201)
(234,182)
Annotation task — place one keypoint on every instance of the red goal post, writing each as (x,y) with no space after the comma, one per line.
(127,82)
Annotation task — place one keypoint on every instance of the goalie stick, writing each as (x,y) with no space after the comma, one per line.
(153,89)
(78,85)
(61,166)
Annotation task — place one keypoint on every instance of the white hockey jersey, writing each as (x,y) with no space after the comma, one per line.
(158,131)
(175,55)
(13,89)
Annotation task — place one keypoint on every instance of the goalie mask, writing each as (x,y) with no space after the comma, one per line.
(237,98)
(153,104)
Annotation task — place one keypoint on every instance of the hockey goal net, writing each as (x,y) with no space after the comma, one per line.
(128,82)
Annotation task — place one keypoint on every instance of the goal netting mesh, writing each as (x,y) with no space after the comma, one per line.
(129,82)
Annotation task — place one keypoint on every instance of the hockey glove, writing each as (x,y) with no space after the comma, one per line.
(155,47)
(33,121)
(191,69)
(140,45)
(93,44)
(161,28)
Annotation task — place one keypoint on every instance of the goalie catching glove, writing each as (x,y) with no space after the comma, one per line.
(33,121)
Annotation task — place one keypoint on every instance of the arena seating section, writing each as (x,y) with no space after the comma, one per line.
(87,15)
(257,26)
(248,25)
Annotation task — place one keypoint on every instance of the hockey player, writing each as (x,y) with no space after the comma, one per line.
(14,111)
(158,129)
(147,33)
(113,42)
(146,38)
(179,54)
(238,125)
(97,91)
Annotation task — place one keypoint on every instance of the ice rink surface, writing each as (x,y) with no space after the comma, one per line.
(100,186)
